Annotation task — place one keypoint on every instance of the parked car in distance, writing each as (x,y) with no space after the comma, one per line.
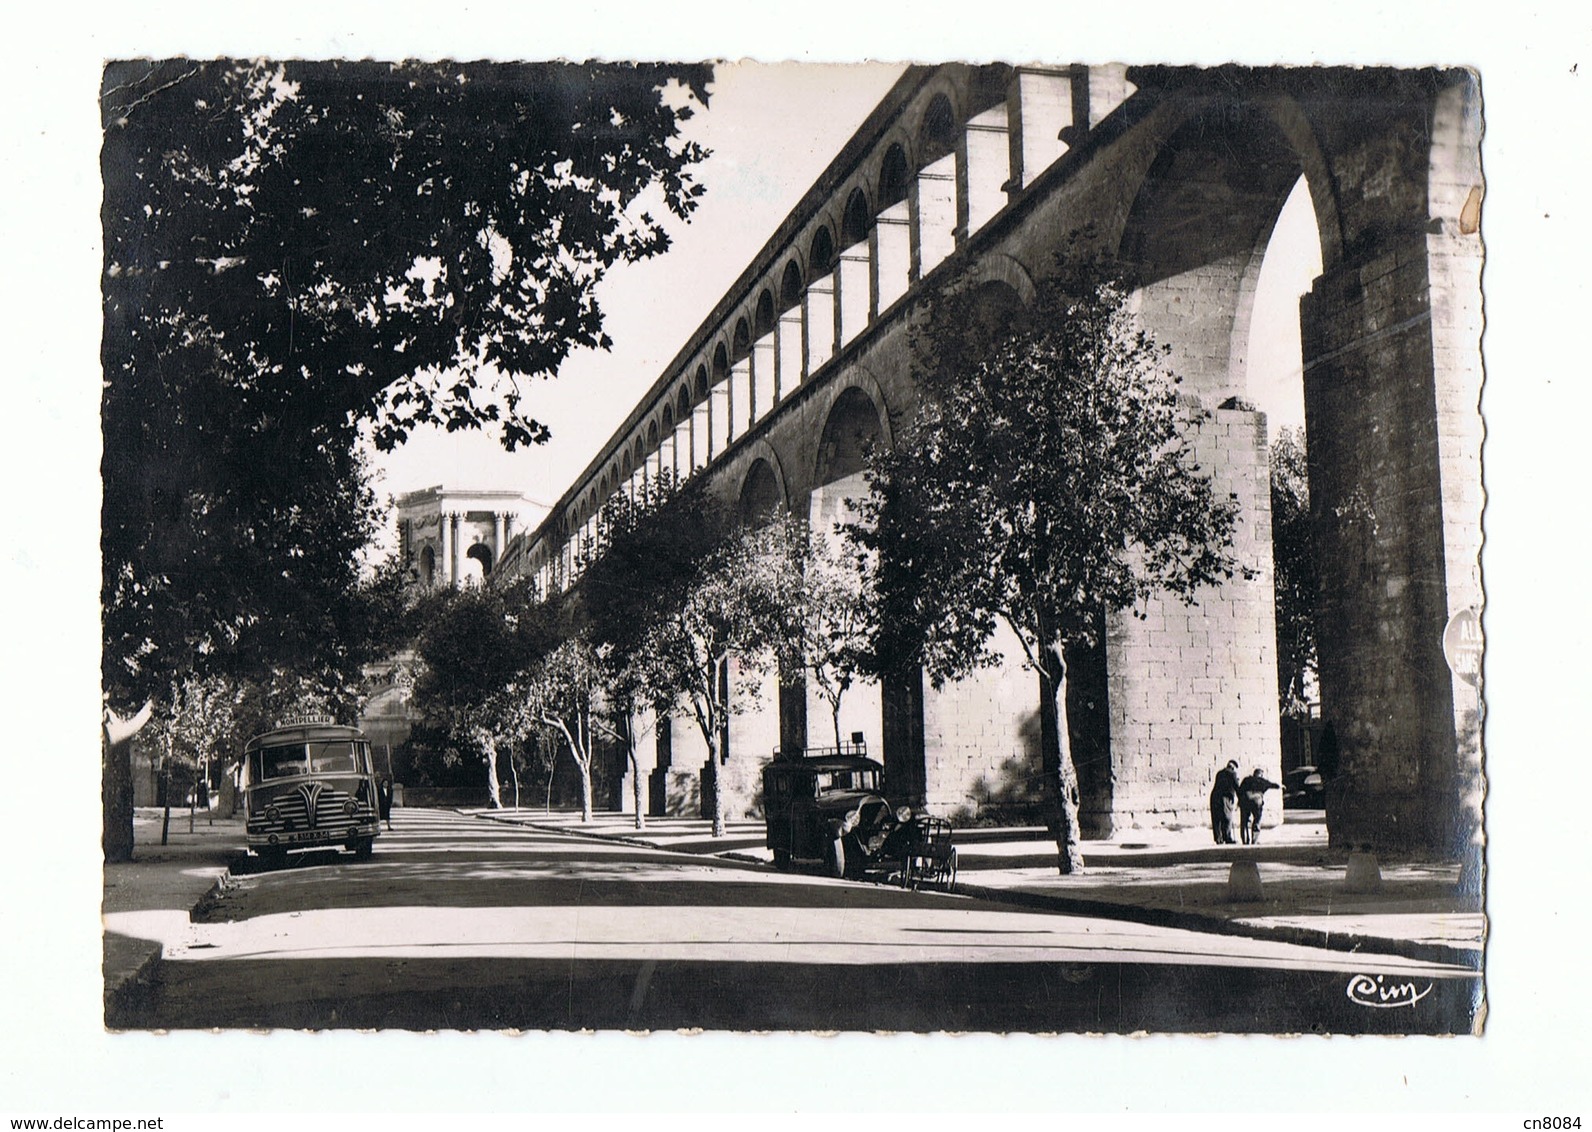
(828,808)
(1303,789)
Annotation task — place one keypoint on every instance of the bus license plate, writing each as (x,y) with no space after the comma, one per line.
(310,835)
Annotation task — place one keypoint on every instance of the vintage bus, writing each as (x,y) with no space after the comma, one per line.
(309,784)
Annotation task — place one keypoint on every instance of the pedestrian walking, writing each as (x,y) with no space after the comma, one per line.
(1252,804)
(384,800)
(1224,804)
(1327,753)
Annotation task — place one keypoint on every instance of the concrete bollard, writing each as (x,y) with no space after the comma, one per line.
(1243,882)
(1364,874)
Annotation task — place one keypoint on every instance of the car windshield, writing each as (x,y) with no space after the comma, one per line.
(867,779)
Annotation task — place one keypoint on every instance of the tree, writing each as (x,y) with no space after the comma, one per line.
(1046,478)
(732,611)
(672,592)
(296,252)
(650,551)
(561,693)
(1295,570)
(825,623)
(198,718)
(474,645)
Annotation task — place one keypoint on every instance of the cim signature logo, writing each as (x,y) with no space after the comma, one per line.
(1379,993)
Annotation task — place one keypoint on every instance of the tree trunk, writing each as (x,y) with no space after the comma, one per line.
(585,789)
(834,716)
(635,788)
(637,792)
(165,796)
(1060,775)
(718,742)
(713,789)
(494,792)
(116,783)
(713,734)
(514,770)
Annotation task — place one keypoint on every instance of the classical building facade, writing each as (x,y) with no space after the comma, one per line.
(455,536)
(985,176)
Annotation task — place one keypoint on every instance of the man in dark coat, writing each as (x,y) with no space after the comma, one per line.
(1252,803)
(1224,804)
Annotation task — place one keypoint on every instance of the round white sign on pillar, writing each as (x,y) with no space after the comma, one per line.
(1462,645)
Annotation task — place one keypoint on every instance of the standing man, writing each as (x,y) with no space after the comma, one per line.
(1224,804)
(1252,803)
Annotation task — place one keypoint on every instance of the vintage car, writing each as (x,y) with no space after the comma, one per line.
(1303,789)
(826,808)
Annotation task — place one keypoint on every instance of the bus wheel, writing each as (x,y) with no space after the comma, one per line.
(273,858)
(782,860)
(363,848)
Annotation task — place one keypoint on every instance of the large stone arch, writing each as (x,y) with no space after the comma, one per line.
(1384,401)
(1000,267)
(854,413)
(1207,197)
(764,477)
(855,381)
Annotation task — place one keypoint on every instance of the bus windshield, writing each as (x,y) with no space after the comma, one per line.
(339,756)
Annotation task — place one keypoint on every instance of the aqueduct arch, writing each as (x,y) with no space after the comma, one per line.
(1379,394)
(978,174)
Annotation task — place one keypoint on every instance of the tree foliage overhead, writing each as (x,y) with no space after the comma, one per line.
(344,232)
(296,250)
(1047,477)
(650,552)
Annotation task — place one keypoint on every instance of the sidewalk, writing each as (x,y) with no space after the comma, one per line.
(1166,877)
(1173,878)
(161,883)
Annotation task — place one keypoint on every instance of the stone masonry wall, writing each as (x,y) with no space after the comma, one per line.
(981,742)
(754,733)
(1194,686)
(1376,502)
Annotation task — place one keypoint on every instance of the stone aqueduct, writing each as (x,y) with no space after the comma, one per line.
(983,174)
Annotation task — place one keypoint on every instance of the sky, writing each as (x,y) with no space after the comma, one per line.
(772,130)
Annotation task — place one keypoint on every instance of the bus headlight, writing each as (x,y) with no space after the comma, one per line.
(350,808)
(272,814)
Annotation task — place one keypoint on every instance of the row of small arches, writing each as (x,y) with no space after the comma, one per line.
(935,139)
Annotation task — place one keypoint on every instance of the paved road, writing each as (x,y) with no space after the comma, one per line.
(463,924)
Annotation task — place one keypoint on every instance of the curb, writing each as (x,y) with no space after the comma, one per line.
(128,990)
(1468,957)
